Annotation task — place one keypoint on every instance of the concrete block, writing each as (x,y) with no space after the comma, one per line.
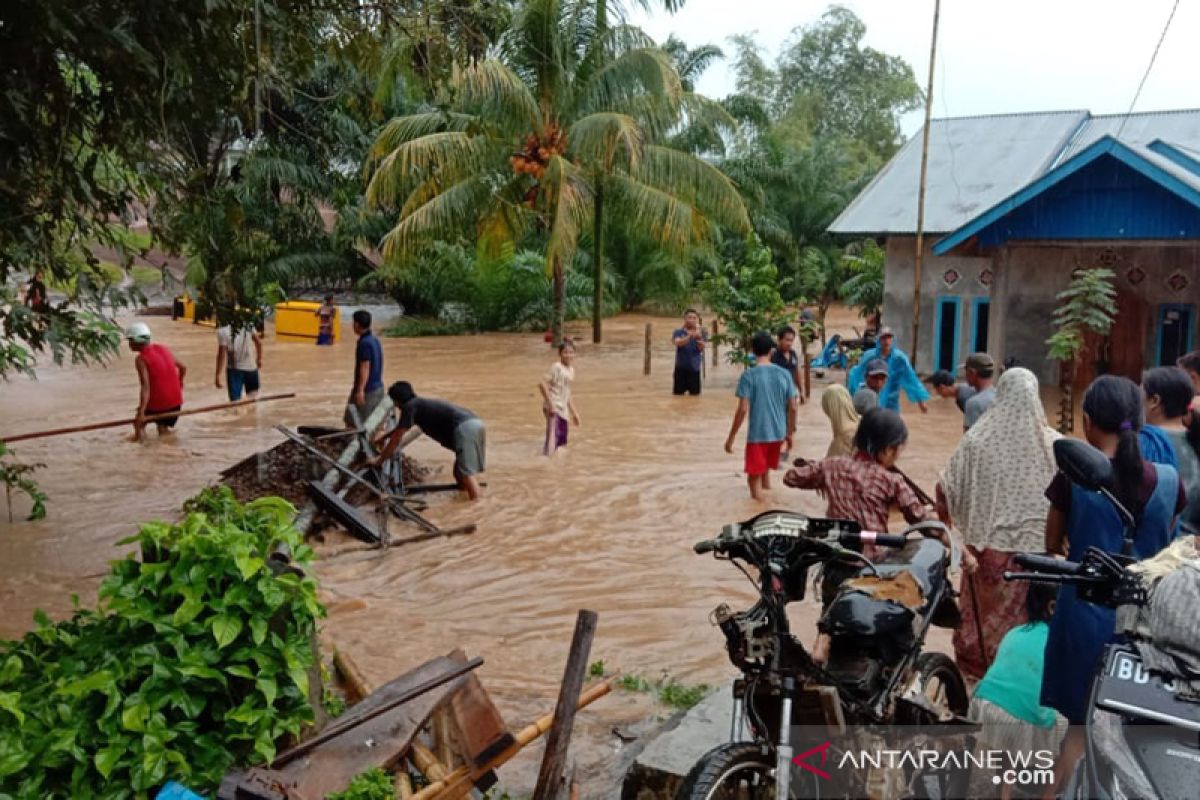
(659,769)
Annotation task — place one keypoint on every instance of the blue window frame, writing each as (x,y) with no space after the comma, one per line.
(1173,334)
(980,315)
(945,332)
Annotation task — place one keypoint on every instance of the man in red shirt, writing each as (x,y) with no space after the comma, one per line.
(161,376)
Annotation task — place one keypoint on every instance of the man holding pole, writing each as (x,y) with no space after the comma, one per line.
(161,377)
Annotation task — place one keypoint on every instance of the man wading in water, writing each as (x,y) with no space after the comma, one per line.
(452,427)
(161,376)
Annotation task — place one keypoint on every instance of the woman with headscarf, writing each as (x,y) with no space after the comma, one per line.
(843,419)
(993,492)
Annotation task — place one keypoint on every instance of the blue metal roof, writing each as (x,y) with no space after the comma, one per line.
(1093,196)
(976,162)
(1188,159)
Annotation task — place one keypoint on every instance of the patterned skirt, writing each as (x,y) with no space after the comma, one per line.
(991,607)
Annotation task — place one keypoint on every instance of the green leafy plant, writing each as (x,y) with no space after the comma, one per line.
(197,658)
(745,297)
(596,669)
(1087,305)
(16,478)
(669,691)
(374,784)
(863,290)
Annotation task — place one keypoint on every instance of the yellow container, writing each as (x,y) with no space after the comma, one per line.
(297,320)
(185,308)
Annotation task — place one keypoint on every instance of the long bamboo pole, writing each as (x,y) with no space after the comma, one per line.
(920,255)
(466,775)
(95,426)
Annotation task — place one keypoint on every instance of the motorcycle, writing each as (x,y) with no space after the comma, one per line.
(1142,739)
(876,672)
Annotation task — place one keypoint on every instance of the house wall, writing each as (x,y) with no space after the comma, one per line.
(1026,277)
(1035,273)
(898,295)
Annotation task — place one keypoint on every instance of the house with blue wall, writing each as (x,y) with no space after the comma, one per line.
(1015,204)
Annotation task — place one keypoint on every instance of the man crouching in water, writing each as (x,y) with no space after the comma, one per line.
(452,427)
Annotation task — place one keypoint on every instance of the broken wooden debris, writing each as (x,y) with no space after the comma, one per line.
(554,762)
(348,670)
(349,516)
(462,778)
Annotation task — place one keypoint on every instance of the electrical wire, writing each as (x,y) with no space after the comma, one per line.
(1149,67)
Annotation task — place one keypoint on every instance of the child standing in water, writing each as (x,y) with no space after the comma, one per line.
(325,316)
(556,398)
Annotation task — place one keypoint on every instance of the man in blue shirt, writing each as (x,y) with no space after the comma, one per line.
(901,374)
(367,391)
(767,395)
(689,353)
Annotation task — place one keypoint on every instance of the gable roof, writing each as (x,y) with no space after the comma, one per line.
(977,162)
(1158,168)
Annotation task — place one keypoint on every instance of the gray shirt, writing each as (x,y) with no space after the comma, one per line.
(962,393)
(865,399)
(977,406)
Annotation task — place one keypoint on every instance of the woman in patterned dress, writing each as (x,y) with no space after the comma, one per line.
(993,492)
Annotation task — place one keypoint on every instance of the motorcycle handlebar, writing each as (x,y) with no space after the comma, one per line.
(707,546)
(1046,564)
(871,537)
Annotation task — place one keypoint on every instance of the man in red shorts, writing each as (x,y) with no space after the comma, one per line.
(161,377)
(767,395)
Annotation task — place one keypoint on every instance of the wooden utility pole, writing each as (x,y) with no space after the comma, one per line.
(554,762)
(916,307)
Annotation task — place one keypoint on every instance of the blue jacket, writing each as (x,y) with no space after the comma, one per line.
(901,375)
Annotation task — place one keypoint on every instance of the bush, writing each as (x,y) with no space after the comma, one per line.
(196,659)
(745,297)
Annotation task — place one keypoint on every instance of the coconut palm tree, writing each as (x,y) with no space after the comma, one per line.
(518,145)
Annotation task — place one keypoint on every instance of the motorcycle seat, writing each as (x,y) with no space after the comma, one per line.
(924,559)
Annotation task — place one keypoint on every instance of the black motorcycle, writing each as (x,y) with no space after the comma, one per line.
(875,672)
(1143,741)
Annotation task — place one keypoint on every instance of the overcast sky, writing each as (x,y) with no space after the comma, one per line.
(994,56)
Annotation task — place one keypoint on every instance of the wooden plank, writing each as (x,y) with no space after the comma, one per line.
(550,777)
(360,688)
(378,742)
(481,730)
(345,513)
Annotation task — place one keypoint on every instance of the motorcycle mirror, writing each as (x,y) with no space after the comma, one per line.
(1083,464)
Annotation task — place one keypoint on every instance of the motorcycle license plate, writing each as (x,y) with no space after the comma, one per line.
(1128,687)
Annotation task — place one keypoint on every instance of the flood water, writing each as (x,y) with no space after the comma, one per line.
(607,525)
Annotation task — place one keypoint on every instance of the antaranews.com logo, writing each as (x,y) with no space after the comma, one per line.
(1007,767)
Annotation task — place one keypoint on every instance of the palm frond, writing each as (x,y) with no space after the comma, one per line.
(605,137)
(453,152)
(667,220)
(264,169)
(693,181)
(448,215)
(413,126)
(570,198)
(498,95)
(635,72)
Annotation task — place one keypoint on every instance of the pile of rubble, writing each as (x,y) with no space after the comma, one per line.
(285,470)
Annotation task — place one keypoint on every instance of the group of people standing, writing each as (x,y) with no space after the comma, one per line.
(1034,650)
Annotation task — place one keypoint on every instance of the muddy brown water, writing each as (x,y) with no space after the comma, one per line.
(606,525)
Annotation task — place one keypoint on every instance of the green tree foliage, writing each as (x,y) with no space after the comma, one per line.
(745,297)
(17,477)
(863,289)
(1087,305)
(197,659)
(515,151)
(98,99)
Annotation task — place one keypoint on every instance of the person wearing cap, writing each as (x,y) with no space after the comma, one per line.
(901,375)
(979,371)
(867,397)
(161,376)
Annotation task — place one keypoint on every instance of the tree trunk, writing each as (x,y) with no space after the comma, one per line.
(1066,405)
(560,303)
(821,309)
(598,264)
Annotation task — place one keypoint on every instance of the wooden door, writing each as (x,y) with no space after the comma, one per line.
(1122,351)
